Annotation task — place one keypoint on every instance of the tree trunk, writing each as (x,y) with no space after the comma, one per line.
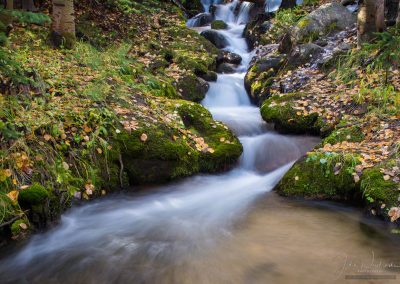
(28,5)
(63,25)
(370,19)
(391,7)
(10,4)
(398,16)
(287,4)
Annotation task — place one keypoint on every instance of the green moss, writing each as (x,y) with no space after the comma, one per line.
(219,25)
(322,175)
(350,134)
(191,89)
(303,22)
(16,227)
(377,190)
(36,194)
(280,111)
(3,39)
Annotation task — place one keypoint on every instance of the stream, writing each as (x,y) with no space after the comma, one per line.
(223,228)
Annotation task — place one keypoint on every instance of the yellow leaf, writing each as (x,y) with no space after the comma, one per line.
(13,195)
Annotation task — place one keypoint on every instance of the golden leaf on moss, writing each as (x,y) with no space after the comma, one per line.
(13,195)
(47,137)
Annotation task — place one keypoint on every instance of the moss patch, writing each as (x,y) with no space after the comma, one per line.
(219,25)
(280,111)
(322,176)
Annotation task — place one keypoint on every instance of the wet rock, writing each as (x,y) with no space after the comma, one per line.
(192,88)
(228,57)
(219,25)
(328,17)
(215,38)
(348,2)
(286,44)
(256,28)
(193,7)
(210,76)
(260,76)
(200,20)
(226,68)
(321,42)
(304,53)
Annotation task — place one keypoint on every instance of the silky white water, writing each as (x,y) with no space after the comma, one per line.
(193,231)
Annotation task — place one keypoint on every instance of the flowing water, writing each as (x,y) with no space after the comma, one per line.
(226,228)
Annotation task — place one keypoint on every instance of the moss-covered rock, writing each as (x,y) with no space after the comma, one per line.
(36,194)
(19,229)
(159,154)
(350,134)
(260,77)
(218,25)
(379,194)
(322,176)
(280,111)
(192,88)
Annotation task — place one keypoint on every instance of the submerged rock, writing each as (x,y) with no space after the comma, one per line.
(215,38)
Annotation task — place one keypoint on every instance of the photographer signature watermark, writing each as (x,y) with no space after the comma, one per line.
(367,269)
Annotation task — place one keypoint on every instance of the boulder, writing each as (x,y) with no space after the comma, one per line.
(210,76)
(200,20)
(192,88)
(215,38)
(328,17)
(256,28)
(260,76)
(193,7)
(304,53)
(263,64)
(226,68)
(228,57)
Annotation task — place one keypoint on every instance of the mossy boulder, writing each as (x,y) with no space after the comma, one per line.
(158,153)
(331,176)
(20,229)
(322,176)
(218,25)
(36,194)
(351,134)
(328,17)
(260,77)
(226,148)
(280,111)
(192,88)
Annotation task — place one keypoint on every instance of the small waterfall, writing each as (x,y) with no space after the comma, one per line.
(244,11)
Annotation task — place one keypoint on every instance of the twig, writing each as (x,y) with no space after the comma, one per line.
(121,170)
